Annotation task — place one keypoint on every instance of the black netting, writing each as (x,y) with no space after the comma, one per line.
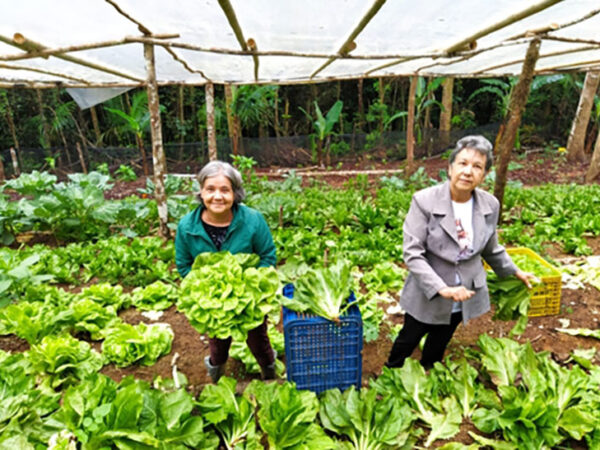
(289,151)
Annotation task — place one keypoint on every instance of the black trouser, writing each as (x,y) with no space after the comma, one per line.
(411,334)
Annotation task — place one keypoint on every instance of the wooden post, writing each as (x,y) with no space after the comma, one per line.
(518,99)
(158,153)
(410,124)
(210,121)
(15,162)
(594,169)
(446,113)
(81,158)
(576,141)
(231,118)
(96,125)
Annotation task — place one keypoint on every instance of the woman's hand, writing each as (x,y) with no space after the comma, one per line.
(456,293)
(526,278)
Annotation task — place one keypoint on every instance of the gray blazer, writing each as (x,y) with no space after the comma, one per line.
(431,254)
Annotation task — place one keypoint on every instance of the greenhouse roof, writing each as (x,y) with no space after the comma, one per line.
(101,42)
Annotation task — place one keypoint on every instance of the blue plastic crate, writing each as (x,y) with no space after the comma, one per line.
(321,354)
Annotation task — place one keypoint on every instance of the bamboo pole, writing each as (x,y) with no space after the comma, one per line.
(15,162)
(81,158)
(42,71)
(349,43)
(210,122)
(158,152)
(446,113)
(576,141)
(410,125)
(506,138)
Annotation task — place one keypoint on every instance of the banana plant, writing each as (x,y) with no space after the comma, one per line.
(323,126)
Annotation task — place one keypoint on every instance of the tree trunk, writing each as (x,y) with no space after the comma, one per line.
(181,119)
(594,168)
(286,117)
(320,152)
(210,121)
(194,114)
(576,141)
(518,100)
(45,126)
(96,125)
(381,114)
(11,125)
(361,107)
(15,162)
(276,110)
(231,128)
(339,95)
(139,140)
(446,113)
(81,158)
(158,153)
(2,174)
(410,125)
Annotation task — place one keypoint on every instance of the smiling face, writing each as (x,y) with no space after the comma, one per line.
(217,195)
(466,173)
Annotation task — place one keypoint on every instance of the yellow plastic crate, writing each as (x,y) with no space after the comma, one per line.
(545,297)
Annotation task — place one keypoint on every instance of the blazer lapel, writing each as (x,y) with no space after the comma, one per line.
(443,207)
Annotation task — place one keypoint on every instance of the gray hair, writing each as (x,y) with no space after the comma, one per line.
(215,168)
(477,143)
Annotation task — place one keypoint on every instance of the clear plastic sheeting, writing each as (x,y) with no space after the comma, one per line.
(100,42)
(88,97)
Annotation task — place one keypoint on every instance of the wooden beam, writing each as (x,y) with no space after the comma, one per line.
(45,72)
(246,45)
(28,45)
(545,55)
(349,42)
(158,153)
(509,20)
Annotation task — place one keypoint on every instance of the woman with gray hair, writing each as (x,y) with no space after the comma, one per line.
(448,229)
(222,223)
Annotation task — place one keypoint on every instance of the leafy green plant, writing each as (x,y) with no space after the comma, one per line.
(369,422)
(232,415)
(125,173)
(288,416)
(64,360)
(323,126)
(127,344)
(224,295)
(323,291)
(154,297)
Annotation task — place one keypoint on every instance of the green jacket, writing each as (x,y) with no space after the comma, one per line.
(247,233)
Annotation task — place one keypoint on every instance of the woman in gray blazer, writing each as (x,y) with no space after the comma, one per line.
(448,229)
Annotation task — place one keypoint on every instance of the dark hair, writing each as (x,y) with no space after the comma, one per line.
(215,168)
(477,143)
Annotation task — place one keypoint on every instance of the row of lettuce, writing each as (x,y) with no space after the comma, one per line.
(357,223)
(515,398)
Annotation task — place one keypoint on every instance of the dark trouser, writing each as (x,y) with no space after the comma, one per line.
(411,334)
(258,342)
